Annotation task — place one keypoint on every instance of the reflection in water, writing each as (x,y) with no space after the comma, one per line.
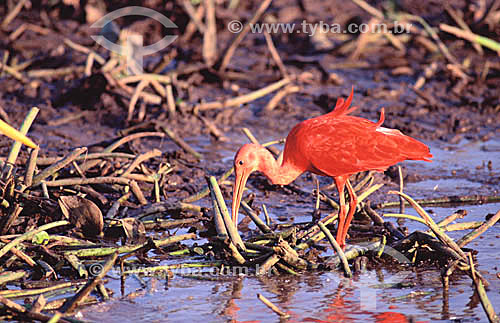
(312,297)
(231,308)
(339,305)
(390,317)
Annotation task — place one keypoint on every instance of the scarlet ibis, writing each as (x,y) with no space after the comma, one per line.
(335,144)
(12,133)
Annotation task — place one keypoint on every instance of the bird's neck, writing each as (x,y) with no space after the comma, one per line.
(282,174)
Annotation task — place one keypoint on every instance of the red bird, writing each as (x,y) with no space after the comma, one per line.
(336,145)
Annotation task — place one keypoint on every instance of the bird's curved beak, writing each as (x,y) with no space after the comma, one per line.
(12,133)
(239,187)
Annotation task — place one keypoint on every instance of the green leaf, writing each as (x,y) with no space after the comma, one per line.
(41,238)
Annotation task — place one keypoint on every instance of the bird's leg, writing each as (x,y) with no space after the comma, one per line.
(340,182)
(353,202)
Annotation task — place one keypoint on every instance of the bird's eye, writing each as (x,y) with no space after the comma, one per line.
(240,162)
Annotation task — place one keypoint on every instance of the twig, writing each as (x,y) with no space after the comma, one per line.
(206,190)
(356,251)
(30,170)
(483,297)
(56,72)
(135,97)
(21,255)
(442,47)
(462,25)
(192,26)
(289,89)
(477,232)
(210,35)
(376,218)
(368,8)
(131,137)
(191,11)
(84,50)
(230,226)
(13,13)
(429,71)
(180,142)
(25,126)
(432,225)
(105,251)
(88,64)
(44,161)
(145,96)
(265,268)
(8,220)
(462,226)
(4,114)
(134,187)
(8,276)
(233,102)
(401,184)
(254,140)
(337,248)
(29,235)
(476,199)
(372,189)
(213,129)
(158,87)
(170,267)
(145,77)
(59,165)
(170,99)
(404,216)
(312,235)
(268,219)
(39,304)
(13,72)
(141,158)
(250,136)
(14,293)
(13,306)
(457,215)
(72,303)
(467,35)
(273,307)
(220,227)
(27,26)
(275,55)
(63,120)
(86,181)
(228,53)
(255,218)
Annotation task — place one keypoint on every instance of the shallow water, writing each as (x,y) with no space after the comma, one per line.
(328,296)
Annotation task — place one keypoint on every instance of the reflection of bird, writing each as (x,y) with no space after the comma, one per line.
(10,132)
(335,145)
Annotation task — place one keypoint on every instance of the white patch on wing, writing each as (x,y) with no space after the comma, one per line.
(388,131)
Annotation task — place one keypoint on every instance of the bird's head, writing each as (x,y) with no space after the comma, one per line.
(246,161)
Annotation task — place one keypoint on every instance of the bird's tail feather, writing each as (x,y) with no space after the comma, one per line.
(342,107)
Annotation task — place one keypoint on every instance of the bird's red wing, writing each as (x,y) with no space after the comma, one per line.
(347,145)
